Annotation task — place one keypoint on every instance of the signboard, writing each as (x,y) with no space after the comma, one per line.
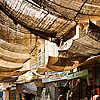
(77,74)
(71,76)
(64,75)
(55,77)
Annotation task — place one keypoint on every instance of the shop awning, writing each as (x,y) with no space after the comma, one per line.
(52,19)
(15,48)
(8,79)
(4,63)
(45,24)
(79,10)
(13,57)
(16,44)
(44,69)
(84,46)
(6,69)
(91,62)
(14,73)
(58,68)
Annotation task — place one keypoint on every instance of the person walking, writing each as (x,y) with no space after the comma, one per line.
(30,91)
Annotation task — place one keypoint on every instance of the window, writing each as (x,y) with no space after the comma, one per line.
(43,58)
(39,59)
(33,66)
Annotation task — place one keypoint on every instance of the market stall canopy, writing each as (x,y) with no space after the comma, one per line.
(91,62)
(40,22)
(5,69)
(78,10)
(62,65)
(8,79)
(84,46)
(44,69)
(55,19)
(80,50)
(59,67)
(14,73)
(16,44)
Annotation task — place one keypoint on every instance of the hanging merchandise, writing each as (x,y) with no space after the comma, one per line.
(72,84)
(59,84)
(96,77)
(70,96)
(53,84)
(77,82)
(88,81)
(56,85)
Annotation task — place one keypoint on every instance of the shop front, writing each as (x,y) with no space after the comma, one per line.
(80,85)
(55,85)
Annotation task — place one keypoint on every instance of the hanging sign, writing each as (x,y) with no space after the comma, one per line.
(55,77)
(77,74)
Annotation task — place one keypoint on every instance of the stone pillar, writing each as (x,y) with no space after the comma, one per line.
(6,95)
(18,91)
